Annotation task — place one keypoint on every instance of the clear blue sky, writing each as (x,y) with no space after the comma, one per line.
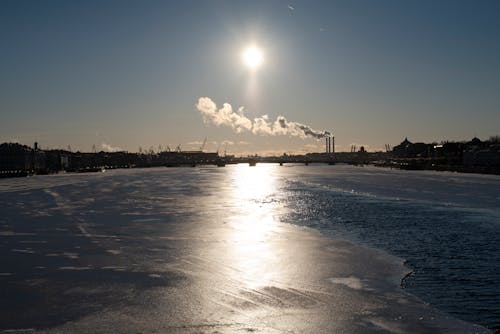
(129,73)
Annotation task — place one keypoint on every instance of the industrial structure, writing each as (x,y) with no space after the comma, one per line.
(330,144)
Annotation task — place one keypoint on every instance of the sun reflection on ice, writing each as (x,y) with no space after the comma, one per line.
(254,191)
(254,183)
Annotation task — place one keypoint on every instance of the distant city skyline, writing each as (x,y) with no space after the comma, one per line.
(129,74)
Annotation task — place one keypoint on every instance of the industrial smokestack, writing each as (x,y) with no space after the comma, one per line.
(330,144)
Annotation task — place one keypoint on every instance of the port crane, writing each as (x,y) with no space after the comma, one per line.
(203,145)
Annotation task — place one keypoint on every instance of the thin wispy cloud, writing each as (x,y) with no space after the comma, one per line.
(262,125)
(224,142)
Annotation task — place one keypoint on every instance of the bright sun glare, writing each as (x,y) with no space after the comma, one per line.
(252,57)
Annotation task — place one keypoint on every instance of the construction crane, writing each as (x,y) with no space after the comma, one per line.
(219,147)
(203,145)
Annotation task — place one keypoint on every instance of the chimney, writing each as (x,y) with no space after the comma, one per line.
(327,144)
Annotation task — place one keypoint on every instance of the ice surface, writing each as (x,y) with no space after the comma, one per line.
(200,250)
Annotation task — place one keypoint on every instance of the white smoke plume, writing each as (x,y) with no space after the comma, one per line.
(109,148)
(259,125)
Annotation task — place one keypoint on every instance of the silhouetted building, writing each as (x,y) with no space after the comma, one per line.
(14,157)
(56,160)
(479,153)
(39,161)
(407,149)
(450,153)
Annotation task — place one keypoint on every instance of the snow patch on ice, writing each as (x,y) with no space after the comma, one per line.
(145,220)
(351,282)
(14,234)
(154,276)
(25,251)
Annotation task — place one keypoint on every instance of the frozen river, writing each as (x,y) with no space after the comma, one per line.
(216,250)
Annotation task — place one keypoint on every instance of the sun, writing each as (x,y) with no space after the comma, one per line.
(252,57)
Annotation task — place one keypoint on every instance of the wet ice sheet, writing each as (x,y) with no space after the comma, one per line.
(190,250)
